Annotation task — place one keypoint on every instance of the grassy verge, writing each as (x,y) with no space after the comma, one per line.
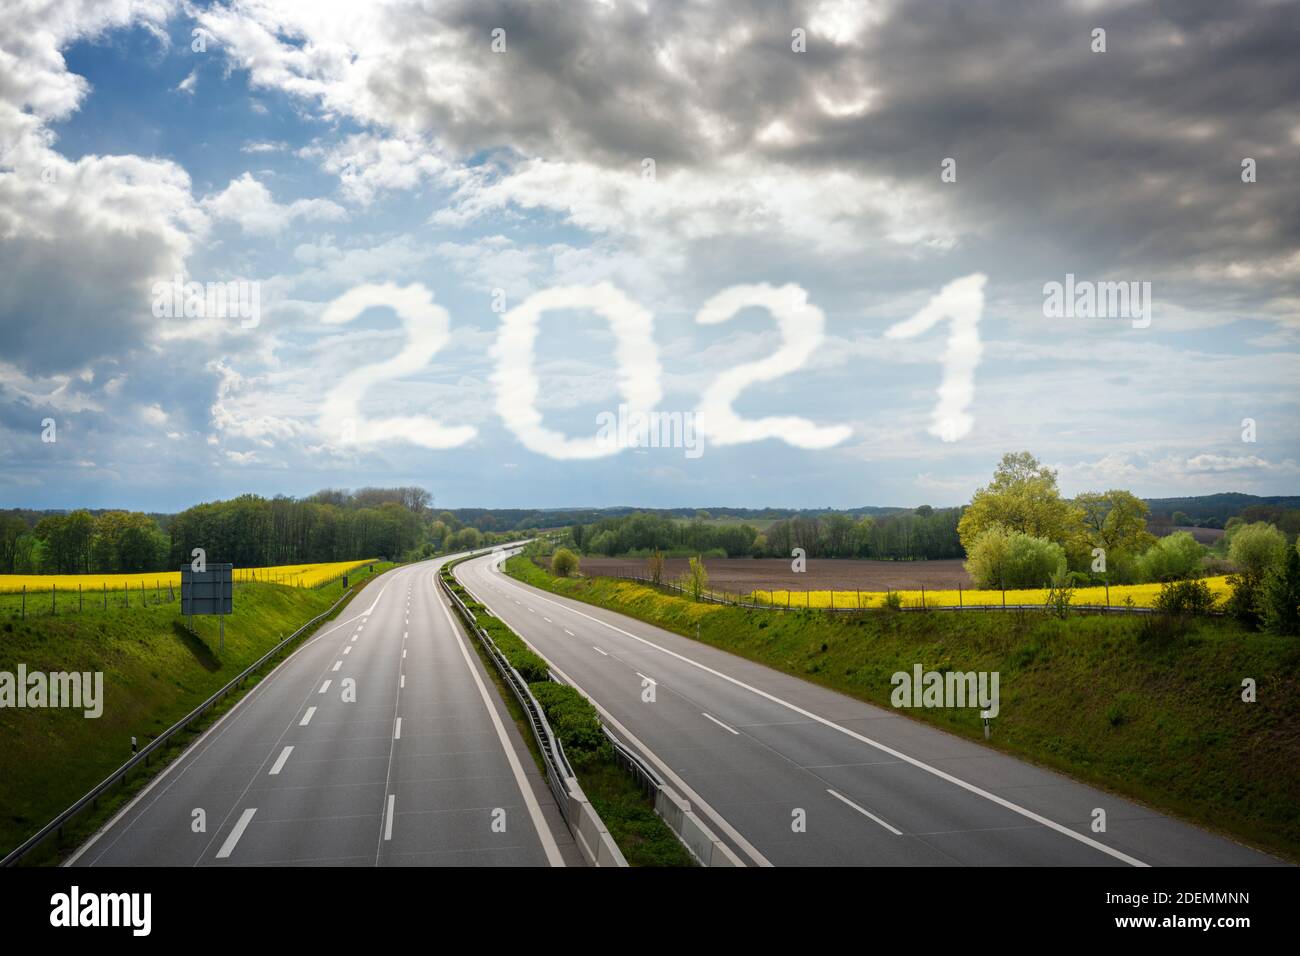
(155,672)
(629,814)
(1147,709)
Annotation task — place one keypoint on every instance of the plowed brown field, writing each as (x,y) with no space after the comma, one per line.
(741,575)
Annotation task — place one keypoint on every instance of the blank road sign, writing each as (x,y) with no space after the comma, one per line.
(208,592)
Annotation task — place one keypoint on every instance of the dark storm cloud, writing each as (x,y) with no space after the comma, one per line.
(1068,159)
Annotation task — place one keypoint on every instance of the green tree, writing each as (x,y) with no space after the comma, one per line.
(1023,497)
(655,566)
(1115,521)
(564,562)
(1001,558)
(1279,596)
(1256,548)
(696,579)
(1175,557)
(12,528)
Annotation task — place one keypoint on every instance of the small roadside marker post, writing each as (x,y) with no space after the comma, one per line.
(987,722)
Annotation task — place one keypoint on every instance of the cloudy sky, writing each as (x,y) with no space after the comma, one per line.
(627,163)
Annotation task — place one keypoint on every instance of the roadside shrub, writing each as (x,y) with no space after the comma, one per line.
(892,601)
(654,566)
(574,721)
(1059,595)
(564,563)
(695,580)
(1184,597)
(1175,557)
(531,667)
(1243,602)
(1001,558)
(1279,596)
(1256,548)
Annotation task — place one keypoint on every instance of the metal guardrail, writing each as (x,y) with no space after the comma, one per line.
(698,839)
(645,776)
(57,824)
(558,770)
(594,839)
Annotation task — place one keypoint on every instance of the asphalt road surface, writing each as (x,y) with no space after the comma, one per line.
(424,767)
(789,773)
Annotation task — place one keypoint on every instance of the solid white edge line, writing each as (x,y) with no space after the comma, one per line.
(722,725)
(530,800)
(864,811)
(241,825)
(279,761)
(885,748)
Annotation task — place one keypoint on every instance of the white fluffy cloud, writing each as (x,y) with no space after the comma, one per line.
(81,238)
(250,204)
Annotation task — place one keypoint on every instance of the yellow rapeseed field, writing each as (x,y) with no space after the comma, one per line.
(1143,595)
(293,575)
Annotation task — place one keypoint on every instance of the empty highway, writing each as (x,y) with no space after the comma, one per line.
(789,773)
(380,742)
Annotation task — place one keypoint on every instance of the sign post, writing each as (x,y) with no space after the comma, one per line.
(210,591)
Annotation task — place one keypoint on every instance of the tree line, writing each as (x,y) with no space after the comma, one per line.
(924,533)
(247,531)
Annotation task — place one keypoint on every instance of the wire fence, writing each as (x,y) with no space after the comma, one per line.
(853,601)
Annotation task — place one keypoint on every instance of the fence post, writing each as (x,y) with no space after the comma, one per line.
(53,609)
(922,597)
(24,617)
(959,601)
(80,604)
(105,583)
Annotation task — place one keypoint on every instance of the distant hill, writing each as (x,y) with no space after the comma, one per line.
(1215,510)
